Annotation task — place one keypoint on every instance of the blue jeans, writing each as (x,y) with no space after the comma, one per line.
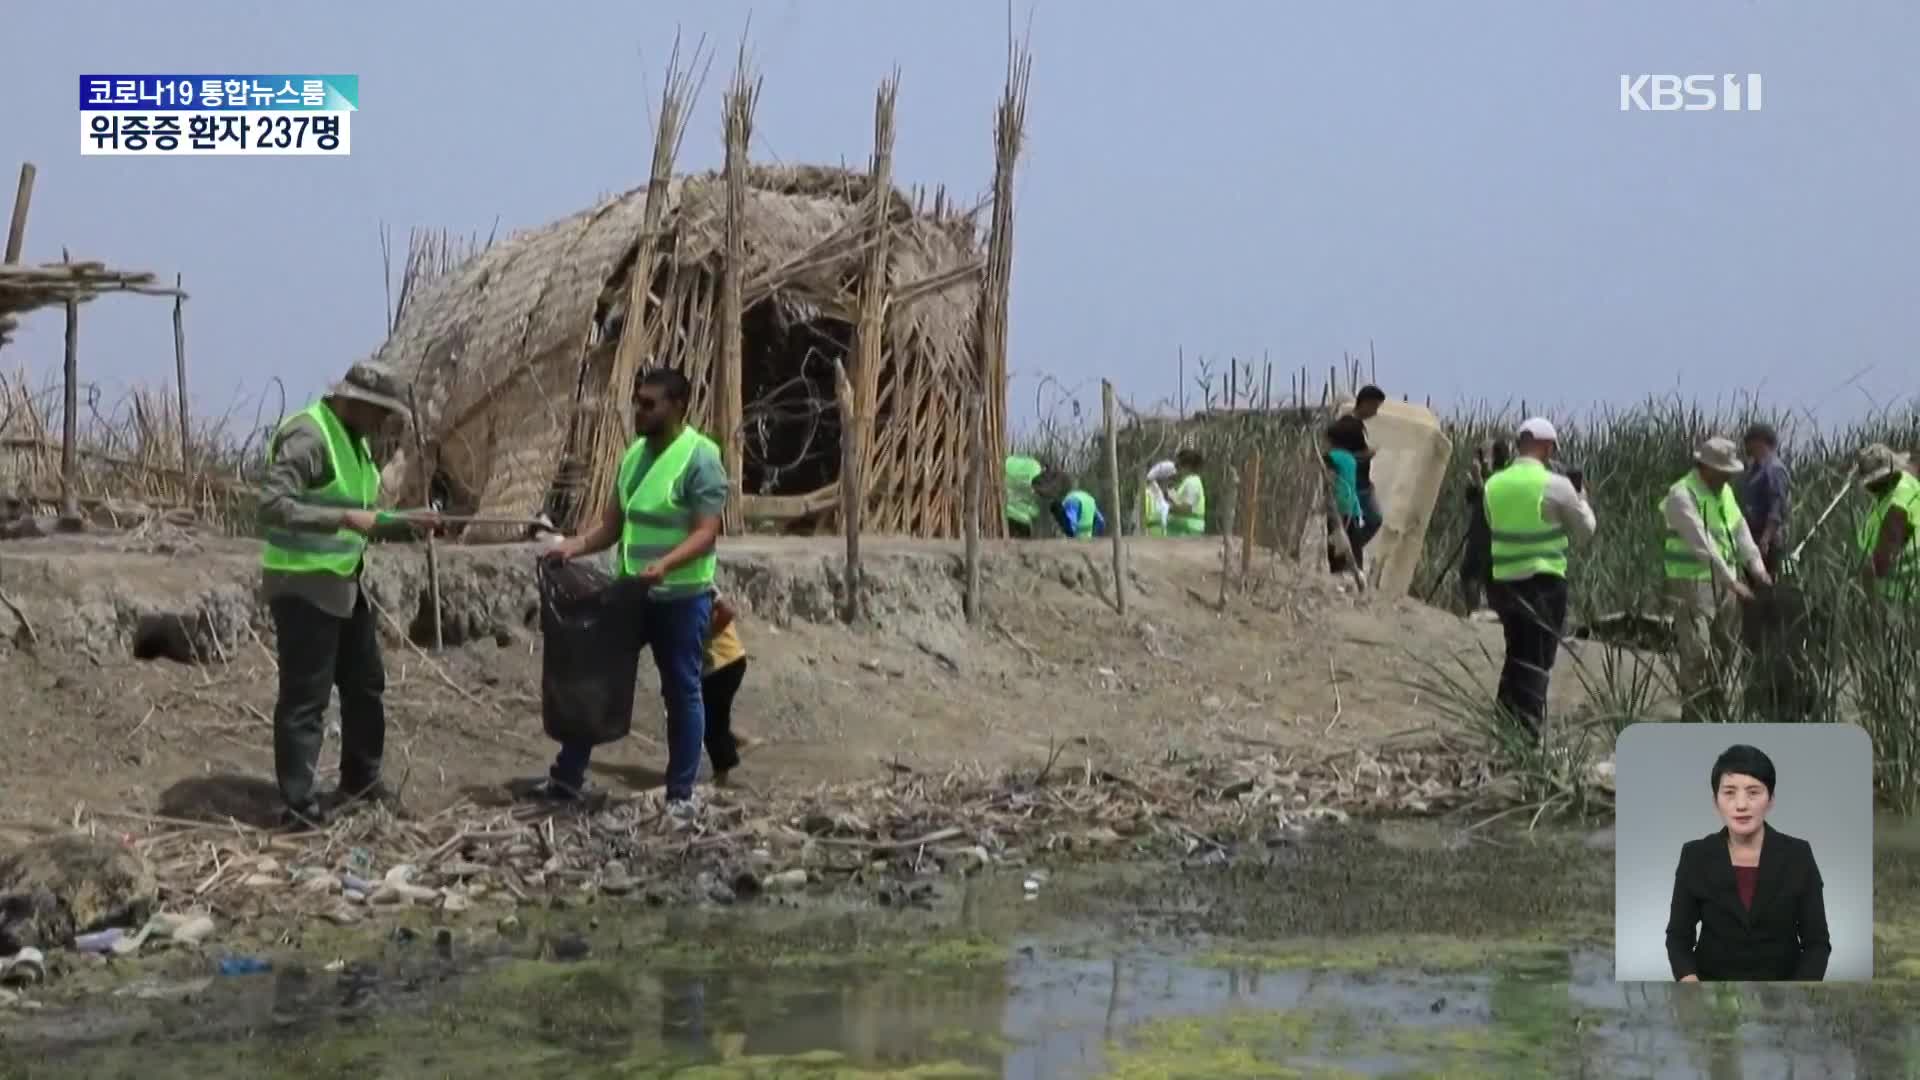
(676,631)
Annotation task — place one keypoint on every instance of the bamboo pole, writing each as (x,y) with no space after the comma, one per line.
(1113,516)
(1249,502)
(729,378)
(70,520)
(22,197)
(180,381)
(427,469)
(850,482)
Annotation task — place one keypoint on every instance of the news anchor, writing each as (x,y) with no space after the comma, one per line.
(1752,891)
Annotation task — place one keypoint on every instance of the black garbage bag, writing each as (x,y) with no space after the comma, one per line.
(589,656)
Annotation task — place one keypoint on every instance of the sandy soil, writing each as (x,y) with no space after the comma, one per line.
(1291,663)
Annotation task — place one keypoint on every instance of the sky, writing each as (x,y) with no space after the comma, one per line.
(1451,185)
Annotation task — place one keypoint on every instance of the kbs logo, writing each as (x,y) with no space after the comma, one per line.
(1689,93)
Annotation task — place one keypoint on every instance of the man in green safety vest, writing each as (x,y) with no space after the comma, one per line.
(1706,538)
(317,513)
(1078,515)
(1889,537)
(665,515)
(1154,507)
(1023,502)
(1187,502)
(1533,513)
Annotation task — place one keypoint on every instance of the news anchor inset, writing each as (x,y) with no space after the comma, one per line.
(1752,892)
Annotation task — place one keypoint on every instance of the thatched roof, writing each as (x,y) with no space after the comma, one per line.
(532,299)
(25,289)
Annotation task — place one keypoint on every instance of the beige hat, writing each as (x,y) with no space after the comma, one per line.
(1877,462)
(1720,455)
(374,383)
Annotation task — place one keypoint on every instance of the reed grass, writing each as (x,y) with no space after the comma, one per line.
(1856,662)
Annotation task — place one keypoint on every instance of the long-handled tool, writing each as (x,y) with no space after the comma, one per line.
(1794,555)
(402,517)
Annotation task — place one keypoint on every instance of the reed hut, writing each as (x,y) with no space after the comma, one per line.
(513,352)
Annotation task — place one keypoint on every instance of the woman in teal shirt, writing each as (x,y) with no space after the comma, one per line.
(1346,496)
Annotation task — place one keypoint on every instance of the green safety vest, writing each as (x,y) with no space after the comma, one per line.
(1149,519)
(1192,524)
(1722,516)
(1083,525)
(656,522)
(1903,580)
(1022,504)
(355,485)
(1525,544)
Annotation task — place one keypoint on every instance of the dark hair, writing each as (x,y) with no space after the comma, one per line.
(1744,760)
(1369,393)
(1502,454)
(1190,459)
(1763,433)
(1348,433)
(671,383)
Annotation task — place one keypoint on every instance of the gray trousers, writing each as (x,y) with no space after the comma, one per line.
(317,653)
(1706,627)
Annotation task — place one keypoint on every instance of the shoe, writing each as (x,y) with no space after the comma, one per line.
(685,808)
(551,790)
(308,818)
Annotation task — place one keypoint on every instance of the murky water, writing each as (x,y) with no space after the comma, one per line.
(993,986)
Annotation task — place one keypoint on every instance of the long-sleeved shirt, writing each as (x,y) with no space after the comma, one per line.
(1763,497)
(1563,505)
(1683,516)
(299,465)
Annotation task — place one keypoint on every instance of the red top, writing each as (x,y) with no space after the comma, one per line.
(1744,879)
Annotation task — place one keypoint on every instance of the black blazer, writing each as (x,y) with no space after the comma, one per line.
(1784,937)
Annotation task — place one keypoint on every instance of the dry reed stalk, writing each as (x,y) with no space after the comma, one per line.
(426,499)
(1008,131)
(973,499)
(1114,511)
(1226,534)
(1250,498)
(729,408)
(644,320)
(870,330)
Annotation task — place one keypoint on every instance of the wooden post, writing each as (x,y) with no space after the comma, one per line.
(972,499)
(1226,535)
(729,409)
(70,520)
(17,228)
(850,484)
(1119,501)
(1249,502)
(427,469)
(180,379)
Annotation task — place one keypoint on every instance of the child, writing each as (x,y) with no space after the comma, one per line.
(726,667)
(1346,497)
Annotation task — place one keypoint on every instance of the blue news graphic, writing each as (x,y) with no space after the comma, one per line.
(220,93)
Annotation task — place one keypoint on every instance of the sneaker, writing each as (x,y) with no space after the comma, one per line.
(685,808)
(551,790)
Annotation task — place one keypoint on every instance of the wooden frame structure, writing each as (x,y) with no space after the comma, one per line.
(758,282)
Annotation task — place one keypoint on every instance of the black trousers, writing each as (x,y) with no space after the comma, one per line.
(319,652)
(1532,613)
(717,689)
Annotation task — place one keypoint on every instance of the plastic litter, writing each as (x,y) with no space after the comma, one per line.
(100,941)
(244,965)
(23,968)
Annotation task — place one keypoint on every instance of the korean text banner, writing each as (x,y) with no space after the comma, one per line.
(220,93)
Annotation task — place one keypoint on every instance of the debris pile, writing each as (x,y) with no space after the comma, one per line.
(910,827)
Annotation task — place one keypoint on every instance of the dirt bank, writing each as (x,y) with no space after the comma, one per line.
(1291,666)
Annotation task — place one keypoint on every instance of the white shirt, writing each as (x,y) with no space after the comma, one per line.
(1683,517)
(1567,508)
